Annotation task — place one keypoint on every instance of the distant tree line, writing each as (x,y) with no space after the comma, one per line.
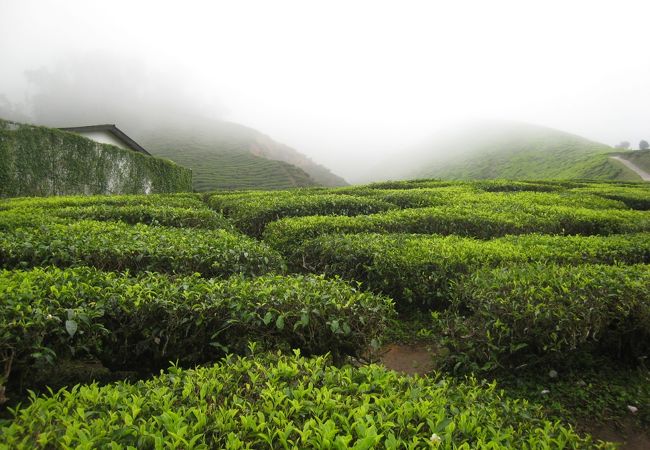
(624,145)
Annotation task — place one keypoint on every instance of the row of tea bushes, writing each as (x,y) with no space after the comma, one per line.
(170,216)
(523,313)
(251,212)
(515,186)
(150,215)
(142,322)
(476,220)
(13,219)
(181,200)
(119,246)
(484,185)
(417,269)
(635,197)
(421,197)
(287,402)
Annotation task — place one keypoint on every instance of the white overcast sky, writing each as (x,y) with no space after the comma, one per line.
(344,81)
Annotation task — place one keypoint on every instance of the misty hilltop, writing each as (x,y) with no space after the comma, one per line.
(226,155)
(168,117)
(503,149)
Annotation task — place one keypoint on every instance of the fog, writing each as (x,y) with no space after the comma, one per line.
(345,82)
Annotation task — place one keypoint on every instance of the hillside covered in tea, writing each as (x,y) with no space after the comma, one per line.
(495,149)
(263,318)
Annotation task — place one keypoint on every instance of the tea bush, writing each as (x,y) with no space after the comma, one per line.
(416,269)
(414,184)
(286,402)
(636,197)
(119,246)
(27,217)
(252,212)
(528,312)
(515,186)
(476,220)
(522,200)
(170,216)
(484,185)
(142,322)
(179,200)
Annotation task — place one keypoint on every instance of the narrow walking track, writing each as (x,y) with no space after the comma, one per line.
(645,176)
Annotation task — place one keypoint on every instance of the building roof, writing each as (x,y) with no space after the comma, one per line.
(111,128)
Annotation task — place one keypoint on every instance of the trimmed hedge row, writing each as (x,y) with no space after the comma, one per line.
(119,246)
(637,197)
(526,313)
(252,212)
(26,218)
(287,402)
(484,185)
(416,270)
(150,215)
(181,200)
(142,322)
(476,220)
(424,197)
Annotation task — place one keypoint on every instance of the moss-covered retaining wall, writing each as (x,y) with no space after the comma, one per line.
(39,161)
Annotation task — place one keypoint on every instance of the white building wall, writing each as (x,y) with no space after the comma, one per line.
(104,137)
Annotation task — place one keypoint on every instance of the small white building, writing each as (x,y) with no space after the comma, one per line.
(108,134)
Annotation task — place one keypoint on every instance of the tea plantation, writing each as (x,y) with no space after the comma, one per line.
(254,319)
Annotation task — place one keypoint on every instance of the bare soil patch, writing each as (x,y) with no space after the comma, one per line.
(411,359)
(627,435)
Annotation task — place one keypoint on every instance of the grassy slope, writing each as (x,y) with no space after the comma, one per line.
(639,157)
(515,151)
(224,155)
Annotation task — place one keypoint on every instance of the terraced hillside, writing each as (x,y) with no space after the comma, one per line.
(234,169)
(224,155)
(256,319)
(506,150)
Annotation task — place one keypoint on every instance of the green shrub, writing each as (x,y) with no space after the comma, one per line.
(422,197)
(286,402)
(151,215)
(180,200)
(522,200)
(636,197)
(525,313)
(416,270)
(252,212)
(414,184)
(26,218)
(143,322)
(476,220)
(515,186)
(484,185)
(118,246)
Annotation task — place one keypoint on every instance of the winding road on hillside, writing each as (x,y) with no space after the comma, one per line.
(645,176)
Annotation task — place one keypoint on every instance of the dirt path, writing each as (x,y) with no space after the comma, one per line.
(627,436)
(645,176)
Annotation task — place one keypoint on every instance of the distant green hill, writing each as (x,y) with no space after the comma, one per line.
(507,150)
(225,155)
